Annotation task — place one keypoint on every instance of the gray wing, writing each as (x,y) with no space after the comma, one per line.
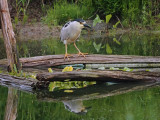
(65,32)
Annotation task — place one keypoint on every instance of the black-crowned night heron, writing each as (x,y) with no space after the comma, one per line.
(71,32)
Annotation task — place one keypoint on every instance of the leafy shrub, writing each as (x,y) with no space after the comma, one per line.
(131,12)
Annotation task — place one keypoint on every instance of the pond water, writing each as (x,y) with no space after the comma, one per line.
(95,101)
(126,44)
(136,105)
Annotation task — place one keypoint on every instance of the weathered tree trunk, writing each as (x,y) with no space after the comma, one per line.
(9,36)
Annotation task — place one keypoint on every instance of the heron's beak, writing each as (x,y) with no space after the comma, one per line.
(86,25)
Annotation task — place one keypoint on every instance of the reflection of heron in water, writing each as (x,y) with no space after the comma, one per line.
(76,106)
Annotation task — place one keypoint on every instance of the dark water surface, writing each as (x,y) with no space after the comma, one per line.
(142,104)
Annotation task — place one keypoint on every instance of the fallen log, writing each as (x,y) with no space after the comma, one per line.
(93,75)
(55,60)
(90,61)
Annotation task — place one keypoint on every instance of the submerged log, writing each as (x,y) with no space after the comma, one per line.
(108,76)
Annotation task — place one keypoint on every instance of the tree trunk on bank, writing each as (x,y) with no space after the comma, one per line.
(9,37)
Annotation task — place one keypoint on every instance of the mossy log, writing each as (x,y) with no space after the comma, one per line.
(21,83)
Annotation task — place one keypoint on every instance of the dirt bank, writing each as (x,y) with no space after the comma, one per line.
(39,31)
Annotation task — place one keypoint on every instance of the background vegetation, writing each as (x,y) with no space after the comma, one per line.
(137,13)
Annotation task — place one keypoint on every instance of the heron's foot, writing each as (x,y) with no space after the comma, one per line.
(67,56)
(82,54)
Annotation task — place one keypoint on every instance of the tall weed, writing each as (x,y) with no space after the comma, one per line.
(21,7)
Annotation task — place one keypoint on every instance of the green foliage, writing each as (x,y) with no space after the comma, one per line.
(97,46)
(108,49)
(15,68)
(65,11)
(115,40)
(96,20)
(1,70)
(115,26)
(25,18)
(108,17)
(16,20)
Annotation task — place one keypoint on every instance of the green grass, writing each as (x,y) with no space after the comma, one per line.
(66,11)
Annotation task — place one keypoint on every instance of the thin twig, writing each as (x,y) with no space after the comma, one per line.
(93,14)
(120,22)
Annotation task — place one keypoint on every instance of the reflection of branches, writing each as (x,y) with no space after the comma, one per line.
(120,37)
(11,107)
(120,22)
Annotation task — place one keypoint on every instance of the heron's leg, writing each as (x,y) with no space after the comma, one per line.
(66,53)
(79,52)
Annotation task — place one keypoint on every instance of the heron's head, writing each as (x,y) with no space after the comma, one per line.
(82,23)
